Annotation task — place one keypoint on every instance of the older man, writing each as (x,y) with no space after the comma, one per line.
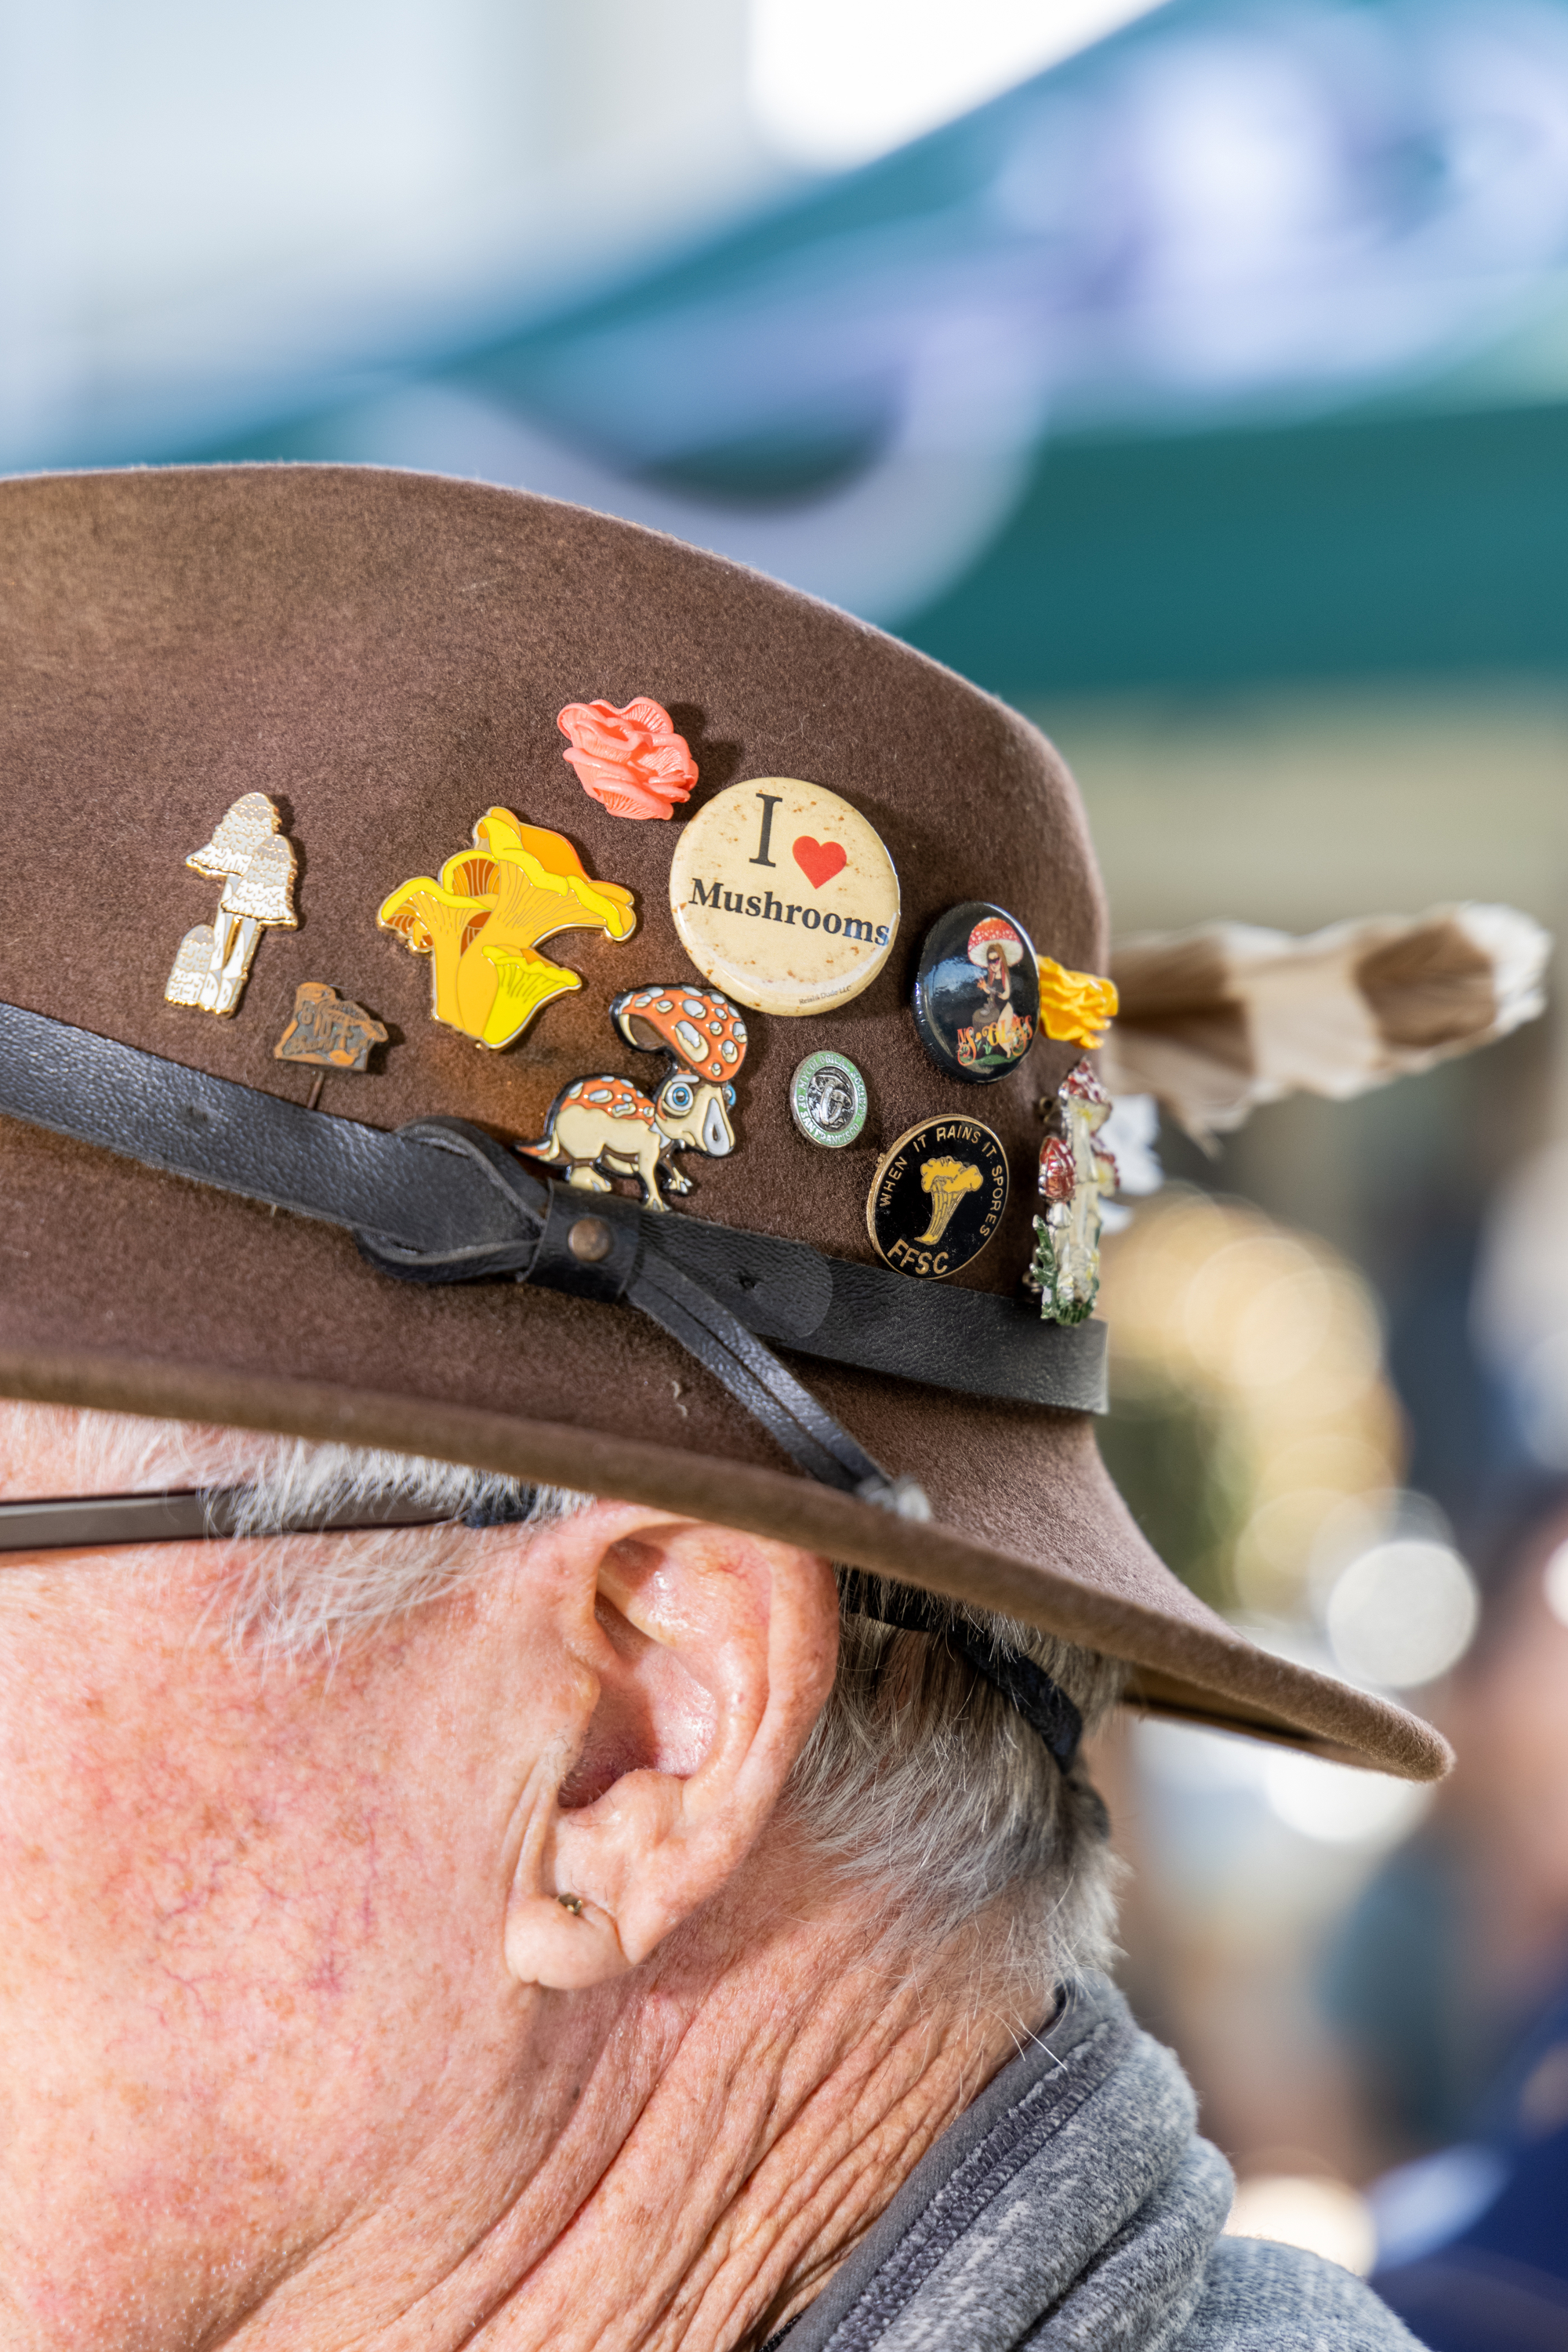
(477,1872)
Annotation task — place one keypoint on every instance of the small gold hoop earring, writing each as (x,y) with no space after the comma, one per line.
(572,1903)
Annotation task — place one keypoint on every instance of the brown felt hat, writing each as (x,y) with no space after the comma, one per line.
(385,657)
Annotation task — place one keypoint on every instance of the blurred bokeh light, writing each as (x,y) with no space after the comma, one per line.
(1306,2210)
(1250,1404)
(1401,1613)
(837,82)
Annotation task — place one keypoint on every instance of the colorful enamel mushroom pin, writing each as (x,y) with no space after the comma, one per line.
(1077,1172)
(255,862)
(481,923)
(605,1127)
(631,761)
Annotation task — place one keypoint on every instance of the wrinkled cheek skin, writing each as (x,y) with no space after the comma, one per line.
(191,2022)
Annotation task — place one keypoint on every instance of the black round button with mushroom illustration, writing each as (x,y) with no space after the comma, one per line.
(937,1197)
(784,896)
(978,992)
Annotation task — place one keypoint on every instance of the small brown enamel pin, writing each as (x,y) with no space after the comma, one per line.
(329,1031)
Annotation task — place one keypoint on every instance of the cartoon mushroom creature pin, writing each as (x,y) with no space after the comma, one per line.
(605,1127)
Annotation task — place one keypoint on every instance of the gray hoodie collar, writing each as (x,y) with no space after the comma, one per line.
(1072,2202)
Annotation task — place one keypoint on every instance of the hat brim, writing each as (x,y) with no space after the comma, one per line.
(1185,1662)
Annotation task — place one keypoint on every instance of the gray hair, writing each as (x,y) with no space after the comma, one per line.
(920,1779)
(919,1784)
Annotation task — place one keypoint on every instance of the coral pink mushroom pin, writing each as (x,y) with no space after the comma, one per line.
(631,761)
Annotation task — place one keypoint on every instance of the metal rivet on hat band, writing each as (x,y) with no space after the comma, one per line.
(590,1239)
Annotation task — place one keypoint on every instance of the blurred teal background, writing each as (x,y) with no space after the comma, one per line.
(1229,350)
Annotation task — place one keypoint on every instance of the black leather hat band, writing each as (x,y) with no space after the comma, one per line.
(440,1201)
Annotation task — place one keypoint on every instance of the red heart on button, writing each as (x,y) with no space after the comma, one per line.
(819,861)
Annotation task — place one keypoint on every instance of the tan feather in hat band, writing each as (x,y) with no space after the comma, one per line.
(1217,1020)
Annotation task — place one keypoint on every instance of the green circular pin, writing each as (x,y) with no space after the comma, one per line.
(827,1100)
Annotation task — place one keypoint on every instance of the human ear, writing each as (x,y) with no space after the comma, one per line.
(714,1653)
